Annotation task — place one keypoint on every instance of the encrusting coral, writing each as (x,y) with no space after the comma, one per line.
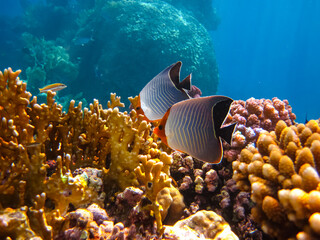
(282,174)
(205,224)
(54,165)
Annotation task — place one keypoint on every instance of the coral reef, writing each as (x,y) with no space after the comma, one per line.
(101,173)
(205,224)
(203,11)
(34,138)
(50,63)
(86,223)
(211,187)
(107,43)
(85,173)
(164,197)
(135,29)
(253,116)
(282,174)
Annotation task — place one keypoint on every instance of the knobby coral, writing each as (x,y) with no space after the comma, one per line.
(252,116)
(211,187)
(282,174)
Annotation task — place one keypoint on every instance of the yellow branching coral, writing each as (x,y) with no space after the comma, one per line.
(38,220)
(114,101)
(149,174)
(21,162)
(33,134)
(62,188)
(166,201)
(282,174)
(125,143)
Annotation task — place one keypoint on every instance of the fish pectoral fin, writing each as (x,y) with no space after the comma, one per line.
(186,83)
(226,132)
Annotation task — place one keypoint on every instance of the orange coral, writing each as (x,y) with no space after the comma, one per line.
(282,174)
(33,135)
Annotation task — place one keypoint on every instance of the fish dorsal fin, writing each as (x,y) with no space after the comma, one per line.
(219,113)
(174,73)
(186,83)
(226,132)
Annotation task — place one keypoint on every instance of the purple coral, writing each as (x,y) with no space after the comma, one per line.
(211,180)
(210,186)
(254,116)
(130,195)
(99,214)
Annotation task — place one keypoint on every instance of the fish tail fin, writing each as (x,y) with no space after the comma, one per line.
(186,83)
(226,132)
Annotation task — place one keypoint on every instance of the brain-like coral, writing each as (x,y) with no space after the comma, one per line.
(282,174)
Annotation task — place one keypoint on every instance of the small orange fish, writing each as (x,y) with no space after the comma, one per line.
(162,92)
(52,87)
(193,126)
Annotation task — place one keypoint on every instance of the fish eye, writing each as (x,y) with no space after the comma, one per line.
(149,185)
(160,127)
(138,108)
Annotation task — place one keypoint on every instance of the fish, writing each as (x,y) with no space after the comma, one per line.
(52,87)
(161,92)
(194,126)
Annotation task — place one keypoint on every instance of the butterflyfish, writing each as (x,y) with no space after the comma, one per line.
(52,87)
(194,126)
(162,92)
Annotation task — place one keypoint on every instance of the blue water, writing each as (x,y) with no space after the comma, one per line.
(264,49)
(268,49)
